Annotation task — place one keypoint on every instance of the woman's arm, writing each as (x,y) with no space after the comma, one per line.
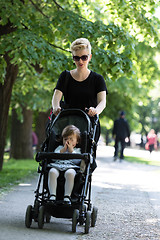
(101,104)
(56,101)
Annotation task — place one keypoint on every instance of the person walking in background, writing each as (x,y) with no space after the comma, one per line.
(120,132)
(34,141)
(151,141)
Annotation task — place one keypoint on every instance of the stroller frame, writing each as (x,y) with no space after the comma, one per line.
(81,211)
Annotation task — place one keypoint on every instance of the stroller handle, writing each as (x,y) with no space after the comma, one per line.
(95,116)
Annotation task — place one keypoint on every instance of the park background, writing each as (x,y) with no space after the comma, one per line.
(35,48)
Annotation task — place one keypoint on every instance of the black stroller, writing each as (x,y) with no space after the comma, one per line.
(81,210)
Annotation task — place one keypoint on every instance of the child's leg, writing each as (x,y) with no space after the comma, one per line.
(69,181)
(52,181)
(82,166)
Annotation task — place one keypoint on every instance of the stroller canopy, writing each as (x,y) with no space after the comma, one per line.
(74,117)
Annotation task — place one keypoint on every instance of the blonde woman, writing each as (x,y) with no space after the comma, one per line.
(85,88)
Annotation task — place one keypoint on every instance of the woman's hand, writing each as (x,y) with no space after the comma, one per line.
(56,110)
(56,102)
(92,112)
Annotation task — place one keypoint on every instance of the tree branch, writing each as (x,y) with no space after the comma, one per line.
(58,6)
(6,29)
(58,47)
(38,9)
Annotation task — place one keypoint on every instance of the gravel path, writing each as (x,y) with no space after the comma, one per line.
(127,196)
(128,200)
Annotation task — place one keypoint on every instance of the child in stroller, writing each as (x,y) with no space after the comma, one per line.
(71,137)
(80,210)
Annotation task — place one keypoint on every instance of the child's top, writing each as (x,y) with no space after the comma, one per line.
(63,165)
(152,138)
(75,150)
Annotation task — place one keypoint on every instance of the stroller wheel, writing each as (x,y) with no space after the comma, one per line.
(75,220)
(28,216)
(36,210)
(88,221)
(94,216)
(41,217)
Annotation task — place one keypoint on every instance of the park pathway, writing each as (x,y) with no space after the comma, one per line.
(127,196)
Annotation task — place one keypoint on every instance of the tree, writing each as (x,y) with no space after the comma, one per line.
(21,136)
(37,34)
(5,96)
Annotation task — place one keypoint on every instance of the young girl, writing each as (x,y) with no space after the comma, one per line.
(71,137)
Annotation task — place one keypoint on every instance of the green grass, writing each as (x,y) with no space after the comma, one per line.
(15,171)
(142,160)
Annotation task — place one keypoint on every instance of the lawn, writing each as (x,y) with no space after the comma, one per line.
(15,171)
(142,160)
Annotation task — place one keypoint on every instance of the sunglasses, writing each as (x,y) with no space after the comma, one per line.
(77,58)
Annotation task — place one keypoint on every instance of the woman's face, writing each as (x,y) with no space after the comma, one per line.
(82,63)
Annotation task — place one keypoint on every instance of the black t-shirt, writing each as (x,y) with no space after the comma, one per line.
(121,128)
(81,94)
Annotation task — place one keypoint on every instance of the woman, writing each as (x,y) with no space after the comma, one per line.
(152,140)
(85,88)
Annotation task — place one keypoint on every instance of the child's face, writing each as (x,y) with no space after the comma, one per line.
(71,140)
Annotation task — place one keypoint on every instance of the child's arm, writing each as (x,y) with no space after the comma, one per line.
(64,149)
(68,146)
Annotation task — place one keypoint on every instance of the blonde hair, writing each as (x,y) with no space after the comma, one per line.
(81,43)
(69,130)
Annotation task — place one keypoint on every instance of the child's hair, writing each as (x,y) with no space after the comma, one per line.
(69,130)
(81,43)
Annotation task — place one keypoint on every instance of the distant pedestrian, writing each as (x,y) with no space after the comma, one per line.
(120,132)
(151,141)
(34,141)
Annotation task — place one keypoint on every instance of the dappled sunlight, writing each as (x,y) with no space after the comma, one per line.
(153,220)
(110,174)
(105,185)
(155,155)
(24,184)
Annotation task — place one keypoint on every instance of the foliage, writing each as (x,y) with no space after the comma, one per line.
(124,37)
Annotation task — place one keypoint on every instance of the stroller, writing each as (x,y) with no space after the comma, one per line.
(81,210)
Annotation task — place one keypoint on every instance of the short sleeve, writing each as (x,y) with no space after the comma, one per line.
(100,84)
(77,150)
(60,83)
(57,150)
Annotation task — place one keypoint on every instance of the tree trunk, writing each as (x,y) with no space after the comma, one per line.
(21,135)
(40,128)
(5,97)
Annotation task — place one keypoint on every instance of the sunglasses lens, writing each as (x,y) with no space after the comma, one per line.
(84,57)
(77,58)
